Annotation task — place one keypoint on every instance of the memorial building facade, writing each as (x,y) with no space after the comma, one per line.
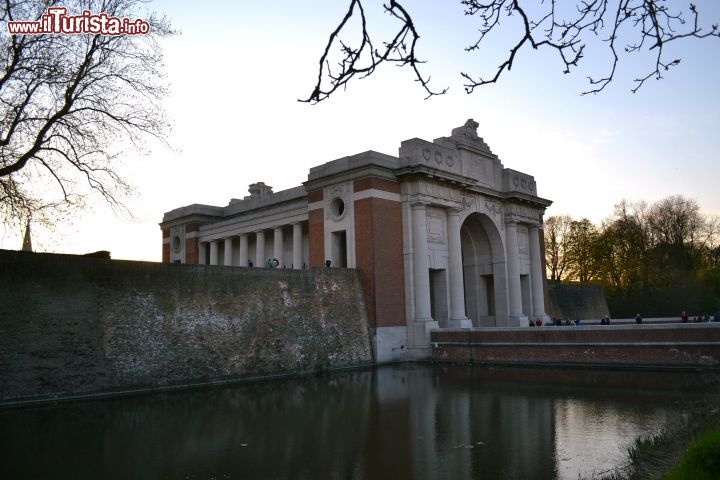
(443,236)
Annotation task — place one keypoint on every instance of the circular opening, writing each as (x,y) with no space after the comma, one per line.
(176,243)
(338,207)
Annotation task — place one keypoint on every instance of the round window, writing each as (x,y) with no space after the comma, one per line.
(338,207)
(176,243)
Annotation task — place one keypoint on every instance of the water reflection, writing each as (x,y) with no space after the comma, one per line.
(408,421)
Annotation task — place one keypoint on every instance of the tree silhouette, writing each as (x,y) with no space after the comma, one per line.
(659,258)
(67,103)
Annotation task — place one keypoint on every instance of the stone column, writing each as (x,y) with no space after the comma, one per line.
(278,246)
(227,260)
(297,245)
(202,246)
(260,249)
(421,272)
(513,268)
(243,261)
(214,252)
(455,273)
(536,273)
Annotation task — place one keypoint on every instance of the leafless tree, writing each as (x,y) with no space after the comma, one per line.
(69,104)
(565,28)
(676,220)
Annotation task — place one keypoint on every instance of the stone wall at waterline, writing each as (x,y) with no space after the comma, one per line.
(678,345)
(75,326)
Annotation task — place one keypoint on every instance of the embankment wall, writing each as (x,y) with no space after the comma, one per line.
(76,326)
(669,345)
(576,301)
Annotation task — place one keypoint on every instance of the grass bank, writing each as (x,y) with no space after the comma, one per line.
(701,461)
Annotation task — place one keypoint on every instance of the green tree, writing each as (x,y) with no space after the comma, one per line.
(658,258)
(581,250)
(556,231)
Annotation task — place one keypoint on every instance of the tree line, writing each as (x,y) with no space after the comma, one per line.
(656,259)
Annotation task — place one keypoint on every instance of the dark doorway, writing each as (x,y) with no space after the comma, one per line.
(339,249)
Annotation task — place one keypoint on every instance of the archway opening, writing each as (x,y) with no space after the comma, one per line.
(483,272)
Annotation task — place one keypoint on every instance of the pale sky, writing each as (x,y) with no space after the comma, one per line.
(238,68)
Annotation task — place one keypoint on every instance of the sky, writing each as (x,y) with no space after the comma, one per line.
(237,69)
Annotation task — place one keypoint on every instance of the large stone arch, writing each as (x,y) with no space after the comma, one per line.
(484,271)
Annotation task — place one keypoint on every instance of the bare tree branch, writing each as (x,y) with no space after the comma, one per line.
(646,25)
(362,60)
(67,104)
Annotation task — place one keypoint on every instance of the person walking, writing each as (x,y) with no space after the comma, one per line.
(683,317)
(638,319)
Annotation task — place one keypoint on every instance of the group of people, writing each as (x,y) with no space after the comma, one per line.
(556,322)
(638,320)
(700,318)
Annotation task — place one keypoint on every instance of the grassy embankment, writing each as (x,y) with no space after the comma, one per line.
(701,461)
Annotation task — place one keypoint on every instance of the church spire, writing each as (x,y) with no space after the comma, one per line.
(27,242)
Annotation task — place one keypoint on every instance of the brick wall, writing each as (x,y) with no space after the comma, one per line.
(316,238)
(365,255)
(378,253)
(315,196)
(72,325)
(192,245)
(165,245)
(673,345)
(375,183)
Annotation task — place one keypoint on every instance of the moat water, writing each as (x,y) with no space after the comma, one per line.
(400,422)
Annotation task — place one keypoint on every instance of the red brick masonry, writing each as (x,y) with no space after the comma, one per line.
(316,225)
(679,345)
(378,250)
(315,196)
(165,246)
(377,184)
(192,245)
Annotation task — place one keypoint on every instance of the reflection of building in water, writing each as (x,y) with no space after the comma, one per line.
(404,422)
(443,236)
(448,426)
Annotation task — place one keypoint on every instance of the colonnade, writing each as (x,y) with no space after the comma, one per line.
(536,275)
(261,256)
(456,284)
(421,278)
